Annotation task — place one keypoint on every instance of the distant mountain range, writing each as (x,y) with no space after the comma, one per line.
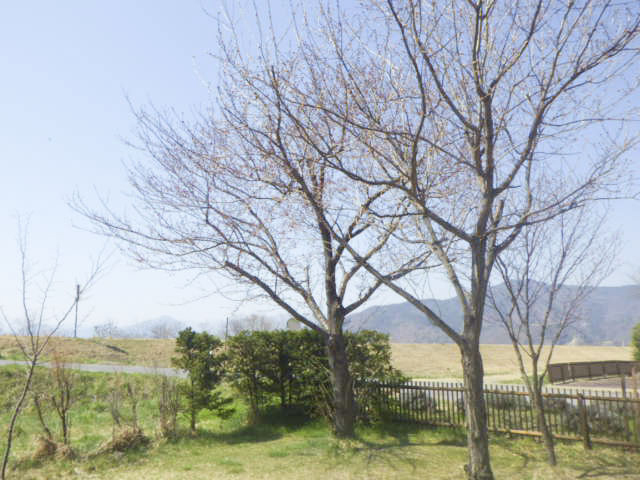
(606,318)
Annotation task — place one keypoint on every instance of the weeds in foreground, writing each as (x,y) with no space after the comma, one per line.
(279,446)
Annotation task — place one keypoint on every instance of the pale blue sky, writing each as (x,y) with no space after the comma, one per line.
(66,68)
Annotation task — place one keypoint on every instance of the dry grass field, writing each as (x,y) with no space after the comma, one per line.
(120,351)
(437,361)
(443,360)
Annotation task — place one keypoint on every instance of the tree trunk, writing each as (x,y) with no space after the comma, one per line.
(64,420)
(344,407)
(479,467)
(547,437)
(43,423)
(14,418)
(193,420)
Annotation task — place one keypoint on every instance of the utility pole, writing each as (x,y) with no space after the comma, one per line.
(75,323)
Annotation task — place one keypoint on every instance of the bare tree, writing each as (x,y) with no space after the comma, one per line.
(547,273)
(56,391)
(63,395)
(33,344)
(249,193)
(479,118)
(253,322)
(164,330)
(444,129)
(109,329)
(168,394)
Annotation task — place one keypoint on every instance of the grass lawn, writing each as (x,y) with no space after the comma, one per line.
(281,448)
(309,451)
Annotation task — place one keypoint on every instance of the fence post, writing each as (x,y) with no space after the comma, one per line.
(584,422)
(635,376)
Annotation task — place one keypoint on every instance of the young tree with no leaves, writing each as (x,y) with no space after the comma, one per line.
(37,336)
(55,390)
(547,274)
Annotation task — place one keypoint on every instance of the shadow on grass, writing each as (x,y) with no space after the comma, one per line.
(609,468)
(247,434)
(515,449)
(595,464)
(111,347)
(401,432)
(395,438)
(273,424)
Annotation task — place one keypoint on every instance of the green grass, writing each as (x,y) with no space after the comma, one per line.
(283,447)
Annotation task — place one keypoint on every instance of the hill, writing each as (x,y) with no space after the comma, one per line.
(606,318)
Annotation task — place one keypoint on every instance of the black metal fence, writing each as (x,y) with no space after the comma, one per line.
(588,415)
(563,372)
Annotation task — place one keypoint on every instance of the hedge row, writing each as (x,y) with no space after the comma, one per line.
(290,368)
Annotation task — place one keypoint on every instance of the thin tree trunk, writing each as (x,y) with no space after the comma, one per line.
(193,408)
(64,419)
(479,467)
(547,437)
(342,386)
(43,423)
(534,387)
(14,419)
(538,403)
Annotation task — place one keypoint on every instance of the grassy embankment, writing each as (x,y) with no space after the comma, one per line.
(281,449)
(415,360)
(119,351)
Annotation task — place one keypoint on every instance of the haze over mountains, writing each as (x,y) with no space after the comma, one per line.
(606,318)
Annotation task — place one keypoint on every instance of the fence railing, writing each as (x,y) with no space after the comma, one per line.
(588,416)
(563,372)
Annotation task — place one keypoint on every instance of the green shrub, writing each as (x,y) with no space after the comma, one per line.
(201,356)
(290,368)
(635,342)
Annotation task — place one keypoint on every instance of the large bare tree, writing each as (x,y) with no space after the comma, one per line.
(247,192)
(547,274)
(443,128)
(479,118)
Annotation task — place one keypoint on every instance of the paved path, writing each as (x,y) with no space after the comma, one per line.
(610,383)
(96,367)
